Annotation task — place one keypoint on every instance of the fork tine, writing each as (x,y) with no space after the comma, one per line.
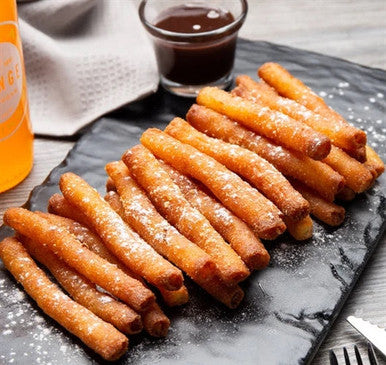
(358,355)
(371,353)
(346,358)
(333,359)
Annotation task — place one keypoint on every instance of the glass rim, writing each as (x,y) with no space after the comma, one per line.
(177,36)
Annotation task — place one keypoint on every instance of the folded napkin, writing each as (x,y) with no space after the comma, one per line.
(83,59)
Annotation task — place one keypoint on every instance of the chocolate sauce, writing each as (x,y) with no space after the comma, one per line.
(195,61)
(193,19)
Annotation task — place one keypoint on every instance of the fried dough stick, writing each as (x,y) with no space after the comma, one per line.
(300,230)
(60,206)
(172,298)
(374,162)
(135,253)
(359,154)
(233,229)
(82,234)
(84,291)
(266,95)
(325,211)
(319,176)
(279,127)
(370,168)
(110,185)
(290,87)
(94,243)
(346,194)
(143,217)
(154,320)
(231,296)
(237,195)
(112,197)
(100,336)
(76,255)
(340,136)
(258,171)
(171,203)
(357,176)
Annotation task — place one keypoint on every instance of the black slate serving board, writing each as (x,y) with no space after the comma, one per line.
(290,306)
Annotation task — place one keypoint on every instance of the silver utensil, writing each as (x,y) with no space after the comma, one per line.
(358,357)
(375,334)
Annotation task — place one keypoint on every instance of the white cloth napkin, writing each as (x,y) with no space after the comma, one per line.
(83,59)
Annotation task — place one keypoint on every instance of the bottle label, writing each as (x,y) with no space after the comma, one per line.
(10,80)
(12,110)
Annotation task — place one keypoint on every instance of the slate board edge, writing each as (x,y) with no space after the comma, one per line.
(323,334)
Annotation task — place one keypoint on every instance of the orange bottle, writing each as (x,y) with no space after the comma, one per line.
(16,137)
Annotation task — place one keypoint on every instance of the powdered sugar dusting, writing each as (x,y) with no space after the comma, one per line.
(37,338)
(361,112)
(343,84)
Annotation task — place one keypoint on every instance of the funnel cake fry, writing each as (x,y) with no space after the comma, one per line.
(234,230)
(266,95)
(258,171)
(60,206)
(359,154)
(274,125)
(84,291)
(95,244)
(143,217)
(300,230)
(357,176)
(175,298)
(171,203)
(171,298)
(346,194)
(100,336)
(135,253)
(231,296)
(325,211)
(85,235)
(237,195)
(290,87)
(154,320)
(110,185)
(319,176)
(112,197)
(76,255)
(374,162)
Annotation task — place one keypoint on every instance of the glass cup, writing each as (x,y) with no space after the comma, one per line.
(189,61)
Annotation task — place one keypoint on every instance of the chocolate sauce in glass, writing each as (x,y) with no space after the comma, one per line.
(193,19)
(199,61)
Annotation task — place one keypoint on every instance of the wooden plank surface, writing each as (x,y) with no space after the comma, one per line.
(354,30)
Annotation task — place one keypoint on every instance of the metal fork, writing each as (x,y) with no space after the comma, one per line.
(370,353)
